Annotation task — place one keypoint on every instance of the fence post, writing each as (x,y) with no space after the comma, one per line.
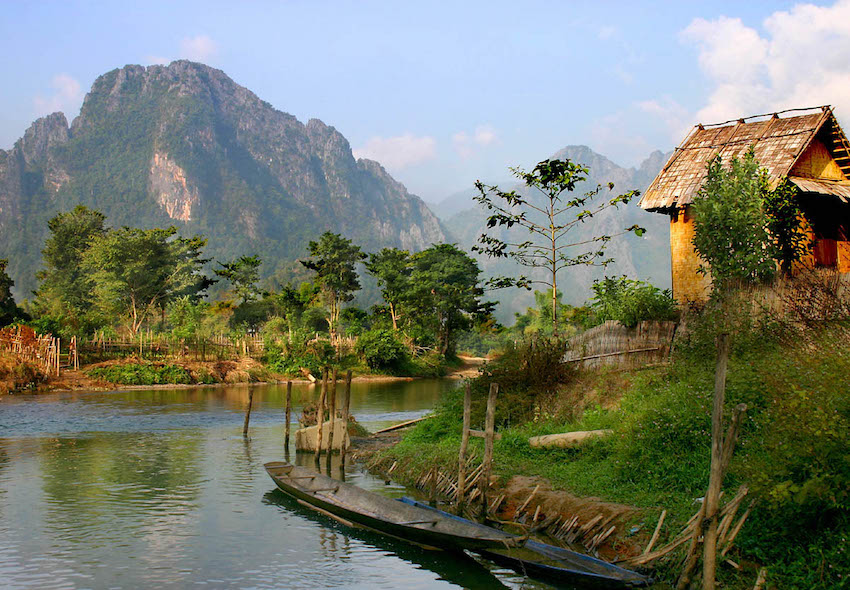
(346,408)
(489,435)
(464,442)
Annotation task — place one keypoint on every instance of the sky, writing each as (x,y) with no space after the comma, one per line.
(444,93)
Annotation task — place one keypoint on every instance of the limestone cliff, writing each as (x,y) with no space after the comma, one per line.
(184,144)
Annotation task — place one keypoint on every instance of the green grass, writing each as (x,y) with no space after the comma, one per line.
(147,374)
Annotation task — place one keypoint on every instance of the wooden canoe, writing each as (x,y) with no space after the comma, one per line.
(553,564)
(355,506)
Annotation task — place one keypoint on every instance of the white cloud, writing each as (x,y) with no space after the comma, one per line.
(672,115)
(800,61)
(467,144)
(398,152)
(607,32)
(66,97)
(198,48)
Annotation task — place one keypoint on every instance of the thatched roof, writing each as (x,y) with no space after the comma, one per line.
(778,141)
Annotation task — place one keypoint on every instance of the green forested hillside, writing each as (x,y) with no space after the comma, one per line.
(184,145)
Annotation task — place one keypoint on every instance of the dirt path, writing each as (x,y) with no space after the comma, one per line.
(469,367)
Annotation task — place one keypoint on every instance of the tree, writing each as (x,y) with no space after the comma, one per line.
(243,274)
(392,268)
(8,308)
(785,225)
(444,288)
(137,271)
(66,289)
(549,222)
(730,223)
(334,259)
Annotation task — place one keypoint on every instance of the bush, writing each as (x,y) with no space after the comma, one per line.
(629,302)
(526,372)
(143,374)
(381,350)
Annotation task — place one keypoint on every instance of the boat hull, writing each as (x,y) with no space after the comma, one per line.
(554,564)
(357,507)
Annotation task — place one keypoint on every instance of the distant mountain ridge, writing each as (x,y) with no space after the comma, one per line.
(185,145)
(645,258)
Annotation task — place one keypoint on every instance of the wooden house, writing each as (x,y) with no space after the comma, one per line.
(807,146)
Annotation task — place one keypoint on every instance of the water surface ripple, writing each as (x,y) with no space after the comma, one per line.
(158,489)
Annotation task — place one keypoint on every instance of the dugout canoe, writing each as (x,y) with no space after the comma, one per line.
(552,564)
(355,506)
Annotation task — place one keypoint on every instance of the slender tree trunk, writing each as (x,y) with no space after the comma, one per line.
(393,316)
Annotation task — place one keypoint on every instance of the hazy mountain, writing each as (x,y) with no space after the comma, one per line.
(646,258)
(185,145)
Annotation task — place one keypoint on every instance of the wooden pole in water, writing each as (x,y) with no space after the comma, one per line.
(248,412)
(320,414)
(489,428)
(715,481)
(288,414)
(346,407)
(464,443)
(332,412)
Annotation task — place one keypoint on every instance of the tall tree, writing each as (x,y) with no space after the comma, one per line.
(8,308)
(333,259)
(549,216)
(445,288)
(138,271)
(392,268)
(243,274)
(66,289)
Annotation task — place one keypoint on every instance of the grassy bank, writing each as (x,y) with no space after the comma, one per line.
(792,451)
(138,372)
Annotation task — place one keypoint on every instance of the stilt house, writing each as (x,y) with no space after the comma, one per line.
(807,146)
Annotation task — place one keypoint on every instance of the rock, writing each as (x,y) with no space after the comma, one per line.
(567,439)
(305,438)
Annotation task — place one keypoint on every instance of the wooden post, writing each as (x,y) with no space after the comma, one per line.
(248,412)
(346,408)
(432,486)
(464,443)
(489,426)
(715,481)
(288,414)
(320,414)
(332,412)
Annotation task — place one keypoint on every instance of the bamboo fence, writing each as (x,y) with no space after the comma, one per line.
(612,344)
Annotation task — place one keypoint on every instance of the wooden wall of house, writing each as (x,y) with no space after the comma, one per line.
(688,284)
(817,162)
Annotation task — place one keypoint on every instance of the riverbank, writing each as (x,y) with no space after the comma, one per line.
(133,373)
(791,456)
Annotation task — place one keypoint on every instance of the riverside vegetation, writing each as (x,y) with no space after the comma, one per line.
(788,366)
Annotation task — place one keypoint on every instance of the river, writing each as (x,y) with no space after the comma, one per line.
(158,489)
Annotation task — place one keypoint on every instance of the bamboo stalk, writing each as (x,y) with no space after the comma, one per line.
(288,413)
(332,412)
(489,428)
(464,442)
(320,414)
(248,412)
(346,408)
(655,534)
(709,556)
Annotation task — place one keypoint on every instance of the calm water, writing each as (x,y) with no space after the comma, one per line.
(158,489)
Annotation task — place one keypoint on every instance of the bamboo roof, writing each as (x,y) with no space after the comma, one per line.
(778,141)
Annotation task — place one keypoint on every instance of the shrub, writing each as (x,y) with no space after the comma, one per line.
(526,372)
(629,302)
(381,350)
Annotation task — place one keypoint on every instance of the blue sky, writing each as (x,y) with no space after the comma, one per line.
(443,93)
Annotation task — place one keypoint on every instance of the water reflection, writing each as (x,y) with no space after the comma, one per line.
(458,569)
(159,489)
